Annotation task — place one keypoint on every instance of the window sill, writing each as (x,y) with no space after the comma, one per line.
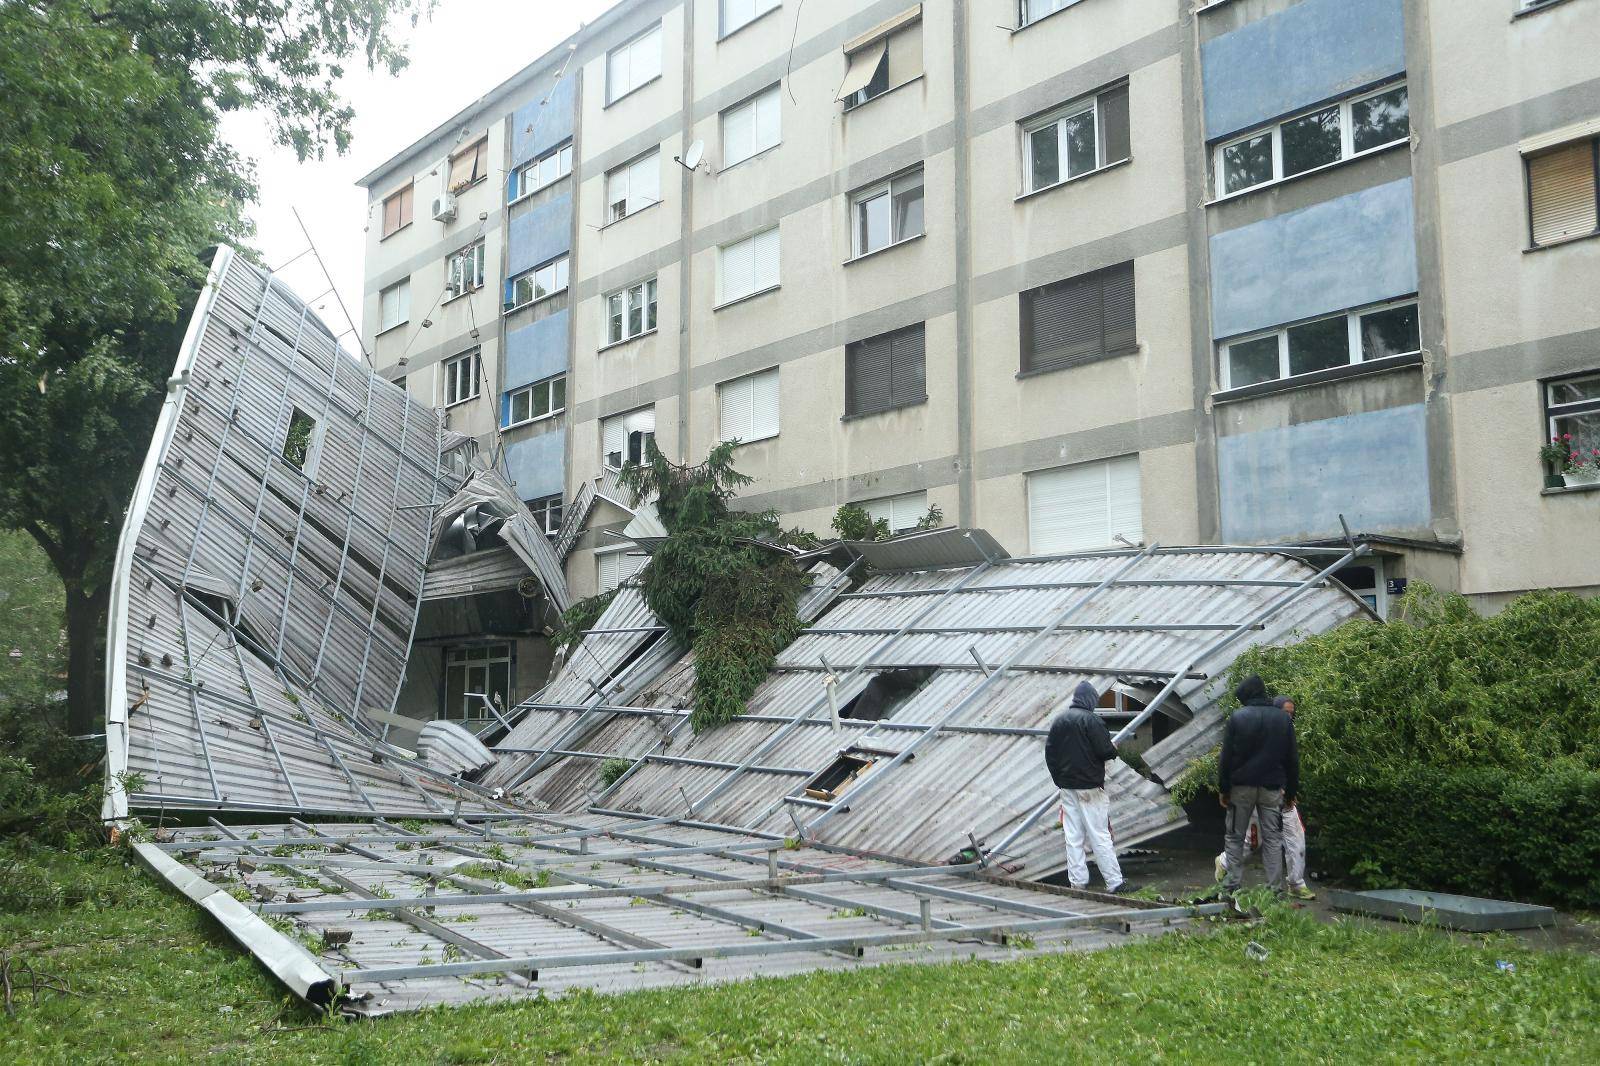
(1565,489)
(637,88)
(631,214)
(535,420)
(747,296)
(1562,243)
(859,415)
(1323,169)
(462,189)
(1338,373)
(514,308)
(752,22)
(852,109)
(626,340)
(395,231)
(1056,368)
(901,243)
(1069,181)
(464,399)
(530,194)
(390,329)
(459,295)
(1534,9)
(748,158)
(755,440)
(1210,5)
(1042,18)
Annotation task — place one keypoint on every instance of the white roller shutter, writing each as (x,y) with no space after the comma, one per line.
(1081,508)
(749,407)
(902,512)
(736,274)
(766,259)
(738,133)
(613,568)
(1561,193)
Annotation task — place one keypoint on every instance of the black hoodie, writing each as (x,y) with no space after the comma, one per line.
(1079,743)
(1258,744)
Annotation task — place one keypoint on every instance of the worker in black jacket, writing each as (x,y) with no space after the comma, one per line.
(1076,753)
(1258,772)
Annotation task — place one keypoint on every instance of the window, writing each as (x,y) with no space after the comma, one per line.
(633,186)
(550,167)
(1033,10)
(1322,344)
(394,305)
(1315,139)
(751,128)
(536,284)
(886,371)
(749,407)
(1081,138)
(623,438)
(397,211)
(902,512)
(614,567)
(1572,406)
(539,400)
(1561,192)
(887,213)
(739,13)
(1084,507)
(469,166)
(460,378)
(883,58)
(464,271)
(747,267)
(547,514)
(300,442)
(633,64)
(482,670)
(1079,320)
(631,312)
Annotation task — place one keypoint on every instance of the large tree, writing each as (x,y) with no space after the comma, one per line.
(113,183)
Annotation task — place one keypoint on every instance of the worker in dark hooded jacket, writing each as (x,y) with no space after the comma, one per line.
(1076,753)
(1258,772)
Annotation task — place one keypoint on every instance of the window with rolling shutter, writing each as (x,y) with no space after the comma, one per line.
(1085,507)
(1079,320)
(902,512)
(747,267)
(397,211)
(885,372)
(748,407)
(1561,193)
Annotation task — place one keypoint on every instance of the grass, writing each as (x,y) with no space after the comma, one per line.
(155,981)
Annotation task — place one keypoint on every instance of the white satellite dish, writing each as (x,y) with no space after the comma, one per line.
(691,159)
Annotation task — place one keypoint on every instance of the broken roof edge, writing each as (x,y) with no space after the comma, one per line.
(115,805)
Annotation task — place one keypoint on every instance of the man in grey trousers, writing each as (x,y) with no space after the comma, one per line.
(1258,772)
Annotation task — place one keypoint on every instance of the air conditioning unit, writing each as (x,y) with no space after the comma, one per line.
(444,207)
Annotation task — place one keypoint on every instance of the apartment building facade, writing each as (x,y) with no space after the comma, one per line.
(1076,271)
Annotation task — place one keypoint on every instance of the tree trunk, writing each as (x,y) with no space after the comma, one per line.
(86,665)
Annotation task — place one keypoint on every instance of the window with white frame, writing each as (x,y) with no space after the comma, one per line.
(1359,336)
(533,285)
(747,267)
(539,400)
(883,58)
(752,127)
(748,407)
(1084,136)
(1572,413)
(469,166)
(546,513)
(739,13)
(545,170)
(902,512)
(464,271)
(886,213)
(631,312)
(1085,507)
(633,186)
(1561,192)
(1034,10)
(1317,138)
(614,567)
(473,674)
(631,65)
(626,438)
(394,305)
(460,378)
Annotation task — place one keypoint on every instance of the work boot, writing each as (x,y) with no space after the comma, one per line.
(1301,892)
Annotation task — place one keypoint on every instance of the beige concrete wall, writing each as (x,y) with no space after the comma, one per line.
(1483,60)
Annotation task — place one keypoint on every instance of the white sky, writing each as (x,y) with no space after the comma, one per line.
(468,48)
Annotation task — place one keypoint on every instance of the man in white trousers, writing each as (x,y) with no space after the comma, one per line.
(1076,753)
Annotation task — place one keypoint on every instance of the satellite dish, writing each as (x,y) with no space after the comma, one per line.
(691,158)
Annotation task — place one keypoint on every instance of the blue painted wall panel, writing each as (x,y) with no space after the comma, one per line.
(535,352)
(1294,482)
(536,127)
(1313,51)
(540,235)
(536,463)
(1342,253)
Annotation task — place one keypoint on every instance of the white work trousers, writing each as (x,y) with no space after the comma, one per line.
(1086,816)
(1294,847)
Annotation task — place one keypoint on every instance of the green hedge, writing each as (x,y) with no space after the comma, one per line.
(1450,750)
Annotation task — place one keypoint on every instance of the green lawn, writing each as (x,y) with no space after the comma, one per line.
(154,981)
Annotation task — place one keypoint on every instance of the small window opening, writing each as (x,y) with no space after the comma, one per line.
(885,692)
(298,442)
(835,779)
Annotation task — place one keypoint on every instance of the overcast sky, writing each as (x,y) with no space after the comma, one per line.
(468,48)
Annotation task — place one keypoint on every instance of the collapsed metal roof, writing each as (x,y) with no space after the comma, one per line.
(295,512)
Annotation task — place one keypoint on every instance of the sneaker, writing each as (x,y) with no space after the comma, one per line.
(1302,892)
(1125,888)
(1219,868)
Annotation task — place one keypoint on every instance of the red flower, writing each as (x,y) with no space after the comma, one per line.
(1566,436)
(1574,457)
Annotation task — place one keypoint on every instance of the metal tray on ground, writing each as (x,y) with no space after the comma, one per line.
(1468,913)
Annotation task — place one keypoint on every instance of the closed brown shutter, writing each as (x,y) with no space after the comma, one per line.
(1119,331)
(1561,193)
(886,371)
(1079,320)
